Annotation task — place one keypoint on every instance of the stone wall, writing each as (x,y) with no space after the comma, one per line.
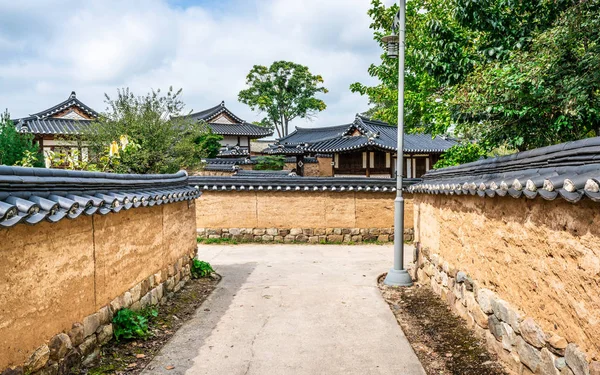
(306,210)
(310,169)
(60,283)
(309,235)
(522,272)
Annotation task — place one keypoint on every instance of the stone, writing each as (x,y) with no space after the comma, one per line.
(495,327)
(313,239)
(38,359)
(137,306)
(136,292)
(91,358)
(267,237)
(91,324)
(76,334)
(469,284)
(13,371)
(532,333)
(435,259)
(566,371)
(301,238)
(485,298)
(461,277)
(284,232)
(105,315)
(59,346)
(296,231)
(258,231)
(116,304)
(500,308)
(104,334)
(214,236)
(356,238)
(576,360)
(514,319)
(272,231)
(51,369)
(383,238)
(335,238)
(289,238)
(480,317)
(508,336)
(355,231)
(560,363)
(595,368)
(530,356)
(444,279)
(154,297)
(127,299)
(235,231)
(337,231)
(347,238)
(307,231)
(88,345)
(346,231)
(278,238)
(557,344)
(547,366)
(146,300)
(213,231)
(160,291)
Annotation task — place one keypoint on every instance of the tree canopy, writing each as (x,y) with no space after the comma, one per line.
(17,148)
(150,133)
(502,73)
(283,92)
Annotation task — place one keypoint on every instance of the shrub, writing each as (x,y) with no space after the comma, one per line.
(129,324)
(201,269)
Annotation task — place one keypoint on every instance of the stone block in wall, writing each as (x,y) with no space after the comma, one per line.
(59,346)
(258,231)
(313,239)
(347,238)
(337,231)
(485,297)
(301,238)
(272,231)
(335,238)
(267,238)
(319,231)
(557,344)
(226,236)
(91,324)
(76,334)
(529,355)
(576,360)
(296,231)
(383,238)
(547,363)
(278,239)
(289,238)
(307,231)
(323,238)
(532,333)
(356,238)
(283,232)
(355,231)
(235,231)
(38,359)
(374,231)
(104,334)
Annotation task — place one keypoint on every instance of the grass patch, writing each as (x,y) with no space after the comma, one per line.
(218,241)
(230,241)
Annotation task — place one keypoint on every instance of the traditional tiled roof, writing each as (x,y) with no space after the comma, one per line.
(297,183)
(52,126)
(241,127)
(246,173)
(363,133)
(44,122)
(568,170)
(34,195)
(70,102)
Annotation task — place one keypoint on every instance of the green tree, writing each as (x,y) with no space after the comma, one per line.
(448,44)
(269,163)
(283,91)
(150,132)
(460,154)
(542,95)
(209,142)
(17,148)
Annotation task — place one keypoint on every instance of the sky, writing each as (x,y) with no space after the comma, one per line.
(206,47)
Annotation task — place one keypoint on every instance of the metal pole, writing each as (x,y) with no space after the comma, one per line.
(398,276)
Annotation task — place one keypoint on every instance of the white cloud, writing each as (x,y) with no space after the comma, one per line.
(95,47)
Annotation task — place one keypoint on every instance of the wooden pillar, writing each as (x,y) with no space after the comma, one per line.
(368,163)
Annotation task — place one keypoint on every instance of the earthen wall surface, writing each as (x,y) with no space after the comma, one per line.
(54,275)
(265,209)
(542,257)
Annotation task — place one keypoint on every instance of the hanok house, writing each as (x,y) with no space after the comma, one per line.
(236,132)
(57,127)
(365,148)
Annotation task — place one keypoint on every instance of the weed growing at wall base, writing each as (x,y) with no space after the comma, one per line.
(129,324)
(201,269)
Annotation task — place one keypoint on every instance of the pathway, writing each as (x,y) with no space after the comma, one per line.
(292,309)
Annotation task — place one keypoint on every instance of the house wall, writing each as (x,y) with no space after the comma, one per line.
(325,167)
(314,211)
(532,259)
(56,276)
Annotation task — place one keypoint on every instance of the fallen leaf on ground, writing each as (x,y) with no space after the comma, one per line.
(170,367)
(140,355)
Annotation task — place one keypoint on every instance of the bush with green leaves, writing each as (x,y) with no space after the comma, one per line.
(17,148)
(129,324)
(269,163)
(201,269)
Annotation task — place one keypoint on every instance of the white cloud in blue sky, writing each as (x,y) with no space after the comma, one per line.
(206,47)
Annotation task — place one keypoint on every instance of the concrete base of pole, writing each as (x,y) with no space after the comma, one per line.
(398,278)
